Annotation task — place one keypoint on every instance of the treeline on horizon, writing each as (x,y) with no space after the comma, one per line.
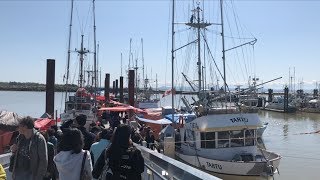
(31,86)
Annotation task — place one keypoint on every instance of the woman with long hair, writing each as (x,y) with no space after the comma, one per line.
(72,161)
(124,160)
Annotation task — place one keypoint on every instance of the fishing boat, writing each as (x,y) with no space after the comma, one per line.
(216,134)
(278,105)
(84,101)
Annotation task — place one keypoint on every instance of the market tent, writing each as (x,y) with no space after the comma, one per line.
(44,123)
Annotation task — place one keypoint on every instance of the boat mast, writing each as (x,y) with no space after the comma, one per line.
(199,58)
(223,53)
(198,25)
(172,59)
(69,51)
(81,52)
(129,56)
(95,52)
(156,86)
(136,84)
(144,82)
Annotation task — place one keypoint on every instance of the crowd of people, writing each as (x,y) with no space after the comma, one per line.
(73,152)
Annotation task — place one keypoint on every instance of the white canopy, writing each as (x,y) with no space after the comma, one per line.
(160,121)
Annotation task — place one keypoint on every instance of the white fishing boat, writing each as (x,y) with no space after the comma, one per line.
(227,144)
(218,135)
(84,100)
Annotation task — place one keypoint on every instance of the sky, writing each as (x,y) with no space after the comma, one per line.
(287,33)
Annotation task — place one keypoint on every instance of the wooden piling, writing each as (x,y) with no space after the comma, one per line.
(315,93)
(286,99)
(270,95)
(116,90)
(131,87)
(121,89)
(107,87)
(50,87)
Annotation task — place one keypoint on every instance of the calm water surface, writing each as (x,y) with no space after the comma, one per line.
(286,133)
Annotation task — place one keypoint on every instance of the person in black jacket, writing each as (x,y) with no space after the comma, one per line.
(79,122)
(125,161)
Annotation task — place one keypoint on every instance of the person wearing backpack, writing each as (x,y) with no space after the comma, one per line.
(121,161)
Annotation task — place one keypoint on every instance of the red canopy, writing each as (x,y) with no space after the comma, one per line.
(44,123)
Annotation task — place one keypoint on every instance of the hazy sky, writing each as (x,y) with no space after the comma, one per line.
(288,35)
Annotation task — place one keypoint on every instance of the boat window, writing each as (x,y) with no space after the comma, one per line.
(208,140)
(83,107)
(236,138)
(223,139)
(70,106)
(249,137)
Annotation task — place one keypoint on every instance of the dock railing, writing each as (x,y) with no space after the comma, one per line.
(157,167)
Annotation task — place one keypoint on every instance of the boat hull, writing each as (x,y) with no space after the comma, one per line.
(240,168)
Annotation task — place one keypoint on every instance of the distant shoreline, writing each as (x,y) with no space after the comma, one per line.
(30,86)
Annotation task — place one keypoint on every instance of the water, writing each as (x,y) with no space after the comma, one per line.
(285,133)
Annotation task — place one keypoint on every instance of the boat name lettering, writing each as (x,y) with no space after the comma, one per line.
(194,126)
(239,119)
(214,166)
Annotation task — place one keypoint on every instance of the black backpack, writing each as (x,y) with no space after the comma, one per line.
(124,169)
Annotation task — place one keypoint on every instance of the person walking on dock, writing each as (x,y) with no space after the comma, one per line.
(98,147)
(72,161)
(89,137)
(29,159)
(121,160)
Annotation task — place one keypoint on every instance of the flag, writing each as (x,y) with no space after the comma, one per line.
(169,91)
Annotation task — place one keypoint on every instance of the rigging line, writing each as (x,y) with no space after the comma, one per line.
(168,48)
(75,70)
(232,37)
(182,30)
(236,52)
(88,14)
(297,157)
(214,61)
(80,25)
(241,29)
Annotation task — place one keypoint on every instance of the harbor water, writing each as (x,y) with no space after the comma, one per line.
(293,136)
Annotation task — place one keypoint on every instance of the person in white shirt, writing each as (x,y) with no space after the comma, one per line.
(71,158)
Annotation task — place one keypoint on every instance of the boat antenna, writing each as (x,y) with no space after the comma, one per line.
(69,51)
(95,52)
